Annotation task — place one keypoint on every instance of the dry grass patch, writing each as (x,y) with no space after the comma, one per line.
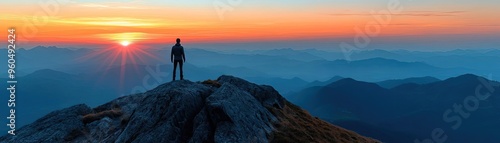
(213,83)
(297,125)
(89,118)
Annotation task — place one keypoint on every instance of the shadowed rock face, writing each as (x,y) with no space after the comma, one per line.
(183,111)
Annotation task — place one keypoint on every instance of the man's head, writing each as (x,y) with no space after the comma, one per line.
(178,40)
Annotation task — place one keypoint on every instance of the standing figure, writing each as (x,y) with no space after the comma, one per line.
(177,57)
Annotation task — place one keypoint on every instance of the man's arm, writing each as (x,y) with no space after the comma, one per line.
(183,55)
(172,55)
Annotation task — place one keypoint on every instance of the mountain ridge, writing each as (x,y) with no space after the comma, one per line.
(417,80)
(411,109)
(228,109)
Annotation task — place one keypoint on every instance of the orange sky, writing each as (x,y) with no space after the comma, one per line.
(140,22)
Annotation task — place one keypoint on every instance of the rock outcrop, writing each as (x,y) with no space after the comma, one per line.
(228,109)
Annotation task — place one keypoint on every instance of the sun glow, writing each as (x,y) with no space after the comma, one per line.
(121,56)
(125,43)
(124,39)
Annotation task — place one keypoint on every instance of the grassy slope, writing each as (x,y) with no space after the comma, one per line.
(297,125)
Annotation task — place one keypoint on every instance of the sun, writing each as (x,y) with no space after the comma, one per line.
(125,43)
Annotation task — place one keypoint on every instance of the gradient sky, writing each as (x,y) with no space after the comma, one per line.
(156,21)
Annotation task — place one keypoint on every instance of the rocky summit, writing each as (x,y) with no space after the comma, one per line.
(228,109)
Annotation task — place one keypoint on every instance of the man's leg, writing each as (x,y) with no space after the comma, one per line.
(182,73)
(175,68)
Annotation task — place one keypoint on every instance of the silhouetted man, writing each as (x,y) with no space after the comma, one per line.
(177,57)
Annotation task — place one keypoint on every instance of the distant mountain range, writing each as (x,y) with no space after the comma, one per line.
(417,80)
(308,64)
(411,110)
